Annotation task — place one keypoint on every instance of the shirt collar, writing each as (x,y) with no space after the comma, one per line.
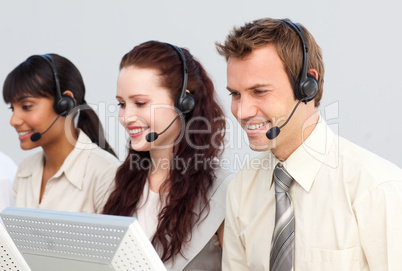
(73,167)
(304,163)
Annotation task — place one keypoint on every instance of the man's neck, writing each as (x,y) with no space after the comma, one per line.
(283,152)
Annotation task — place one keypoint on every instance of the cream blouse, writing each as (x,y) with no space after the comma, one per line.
(203,252)
(82,184)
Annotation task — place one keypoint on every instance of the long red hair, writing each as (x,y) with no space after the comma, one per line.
(186,189)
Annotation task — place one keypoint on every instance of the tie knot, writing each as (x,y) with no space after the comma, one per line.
(282,179)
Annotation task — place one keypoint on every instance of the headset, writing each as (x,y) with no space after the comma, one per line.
(306,85)
(63,104)
(184,102)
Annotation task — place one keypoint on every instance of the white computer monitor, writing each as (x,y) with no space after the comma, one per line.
(66,241)
(10,257)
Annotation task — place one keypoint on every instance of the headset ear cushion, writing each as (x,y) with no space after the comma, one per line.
(186,105)
(64,106)
(309,88)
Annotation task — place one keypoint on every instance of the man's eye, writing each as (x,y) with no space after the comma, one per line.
(234,94)
(258,91)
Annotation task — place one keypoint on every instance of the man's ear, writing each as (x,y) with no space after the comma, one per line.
(313,72)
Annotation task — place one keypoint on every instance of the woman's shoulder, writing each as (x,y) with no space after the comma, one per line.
(102,157)
(30,162)
(223,178)
(96,155)
(224,175)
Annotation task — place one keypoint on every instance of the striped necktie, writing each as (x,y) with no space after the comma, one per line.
(283,238)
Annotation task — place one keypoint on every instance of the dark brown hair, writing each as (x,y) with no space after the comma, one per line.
(35,77)
(189,188)
(241,41)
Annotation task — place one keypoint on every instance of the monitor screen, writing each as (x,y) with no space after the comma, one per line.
(10,257)
(65,241)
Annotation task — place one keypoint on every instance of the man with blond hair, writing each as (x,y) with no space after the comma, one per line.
(312,200)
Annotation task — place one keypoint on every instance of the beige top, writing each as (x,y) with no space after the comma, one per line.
(82,184)
(203,252)
(347,205)
(148,210)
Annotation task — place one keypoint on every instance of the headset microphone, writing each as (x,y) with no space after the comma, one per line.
(151,137)
(36,136)
(306,86)
(63,104)
(184,102)
(275,131)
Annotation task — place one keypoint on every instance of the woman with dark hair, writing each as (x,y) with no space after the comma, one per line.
(169,180)
(76,167)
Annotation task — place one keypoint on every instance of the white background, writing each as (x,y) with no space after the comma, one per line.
(361,43)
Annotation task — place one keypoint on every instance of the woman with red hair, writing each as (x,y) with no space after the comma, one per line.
(170,179)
